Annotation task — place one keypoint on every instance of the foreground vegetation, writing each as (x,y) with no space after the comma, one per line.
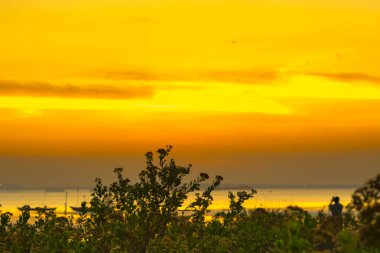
(143,217)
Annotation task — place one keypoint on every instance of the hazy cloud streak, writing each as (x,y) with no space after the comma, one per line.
(37,89)
(241,77)
(347,76)
(244,77)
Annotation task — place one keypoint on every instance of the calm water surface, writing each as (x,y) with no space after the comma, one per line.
(309,199)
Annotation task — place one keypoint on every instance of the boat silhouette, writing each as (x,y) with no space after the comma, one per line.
(37,208)
(78,209)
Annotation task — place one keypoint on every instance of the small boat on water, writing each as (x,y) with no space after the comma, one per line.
(38,208)
(76,208)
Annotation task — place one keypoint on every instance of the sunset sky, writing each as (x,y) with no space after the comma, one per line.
(259,91)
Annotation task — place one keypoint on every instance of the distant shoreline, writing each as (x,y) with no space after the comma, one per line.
(221,187)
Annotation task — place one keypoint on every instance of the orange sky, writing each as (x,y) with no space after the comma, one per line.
(243,82)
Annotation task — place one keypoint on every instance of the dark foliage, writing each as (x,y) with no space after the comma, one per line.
(144,217)
(366,201)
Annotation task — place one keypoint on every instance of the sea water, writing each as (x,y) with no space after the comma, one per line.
(311,199)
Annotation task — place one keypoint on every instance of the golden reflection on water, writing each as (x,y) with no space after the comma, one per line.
(309,199)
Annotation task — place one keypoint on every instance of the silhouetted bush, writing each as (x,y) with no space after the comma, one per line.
(366,201)
(144,217)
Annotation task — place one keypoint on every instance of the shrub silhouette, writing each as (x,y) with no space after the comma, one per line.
(137,215)
(143,216)
(366,201)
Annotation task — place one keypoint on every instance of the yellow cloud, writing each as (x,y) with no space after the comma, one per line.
(38,89)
